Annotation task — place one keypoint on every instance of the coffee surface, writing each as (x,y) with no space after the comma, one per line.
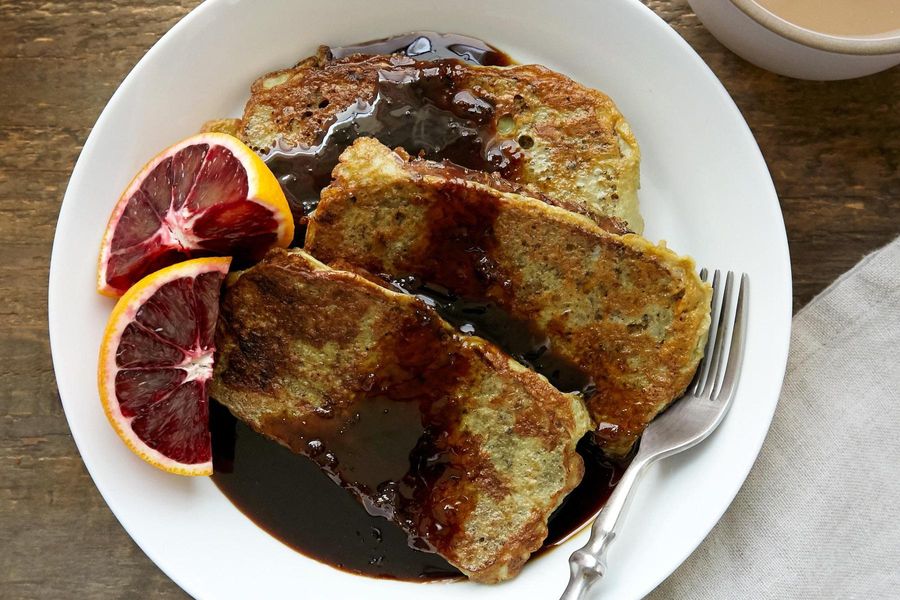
(839,17)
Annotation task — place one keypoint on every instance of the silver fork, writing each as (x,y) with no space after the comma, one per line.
(686,423)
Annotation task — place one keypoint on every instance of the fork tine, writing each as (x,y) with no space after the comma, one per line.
(725,326)
(703,274)
(736,352)
(703,369)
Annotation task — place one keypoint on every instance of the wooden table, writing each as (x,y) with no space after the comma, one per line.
(833,149)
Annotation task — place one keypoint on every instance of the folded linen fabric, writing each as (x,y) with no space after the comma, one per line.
(819,515)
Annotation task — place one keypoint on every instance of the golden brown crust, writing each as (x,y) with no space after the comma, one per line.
(630,314)
(449,170)
(578,149)
(297,104)
(302,348)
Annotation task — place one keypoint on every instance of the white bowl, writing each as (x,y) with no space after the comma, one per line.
(777,45)
(704,188)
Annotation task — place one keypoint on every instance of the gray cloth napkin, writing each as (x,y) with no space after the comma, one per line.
(819,515)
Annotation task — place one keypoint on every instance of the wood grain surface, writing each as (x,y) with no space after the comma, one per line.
(833,149)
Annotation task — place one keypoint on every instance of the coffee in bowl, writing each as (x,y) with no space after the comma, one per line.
(849,18)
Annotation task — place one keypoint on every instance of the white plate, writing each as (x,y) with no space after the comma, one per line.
(705,189)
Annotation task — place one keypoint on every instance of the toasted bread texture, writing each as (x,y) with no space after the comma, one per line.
(444,434)
(541,128)
(229,126)
(631,315)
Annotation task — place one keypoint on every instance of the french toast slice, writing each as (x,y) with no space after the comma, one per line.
(442,433)
(536,127)
(631,315)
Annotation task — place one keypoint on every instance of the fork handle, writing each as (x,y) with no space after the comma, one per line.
(588,564)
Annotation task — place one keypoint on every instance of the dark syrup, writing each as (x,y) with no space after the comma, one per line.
(294,498)
(429,45)
(600,478)
(488,321)
(419,106)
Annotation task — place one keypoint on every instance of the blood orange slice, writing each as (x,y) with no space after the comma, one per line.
(155,361)
(209,195)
